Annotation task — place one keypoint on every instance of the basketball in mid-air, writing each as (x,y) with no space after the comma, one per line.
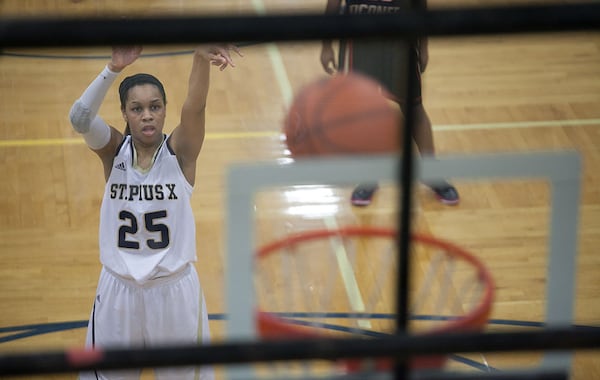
(343,114)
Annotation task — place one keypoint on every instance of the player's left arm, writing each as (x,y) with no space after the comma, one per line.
(187,138)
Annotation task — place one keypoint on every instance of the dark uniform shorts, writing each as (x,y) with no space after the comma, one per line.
(384,61)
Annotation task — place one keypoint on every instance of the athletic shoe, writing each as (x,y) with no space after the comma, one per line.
(446,193)
(363,194)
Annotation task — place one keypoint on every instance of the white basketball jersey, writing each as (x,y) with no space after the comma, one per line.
(147,228)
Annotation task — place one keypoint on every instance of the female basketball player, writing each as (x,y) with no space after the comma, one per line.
(148,292)
(386,62)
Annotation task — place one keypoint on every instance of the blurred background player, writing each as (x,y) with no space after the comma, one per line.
(386,61)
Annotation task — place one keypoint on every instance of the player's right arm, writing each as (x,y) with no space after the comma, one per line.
(327,54)
(99,136)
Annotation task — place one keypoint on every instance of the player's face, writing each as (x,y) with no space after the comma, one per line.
(145,112)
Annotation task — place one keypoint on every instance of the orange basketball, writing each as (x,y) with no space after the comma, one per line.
(344,114)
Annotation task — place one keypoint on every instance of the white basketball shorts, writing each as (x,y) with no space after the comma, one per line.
(168,310)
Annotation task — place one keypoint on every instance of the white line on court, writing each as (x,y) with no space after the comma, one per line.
(348,278)
(281,75)
(272,133)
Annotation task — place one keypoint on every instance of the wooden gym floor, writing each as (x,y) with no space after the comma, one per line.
(483,94)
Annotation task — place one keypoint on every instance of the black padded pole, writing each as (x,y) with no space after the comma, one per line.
(191,29)
(405,347)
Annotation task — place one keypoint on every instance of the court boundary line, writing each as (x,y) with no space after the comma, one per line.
(272,134)
(29,330)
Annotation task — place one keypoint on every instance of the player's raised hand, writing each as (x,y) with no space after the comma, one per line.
(219,55)
(123,56)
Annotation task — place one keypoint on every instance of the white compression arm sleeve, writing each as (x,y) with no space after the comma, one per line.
(98,134)
(83,114)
